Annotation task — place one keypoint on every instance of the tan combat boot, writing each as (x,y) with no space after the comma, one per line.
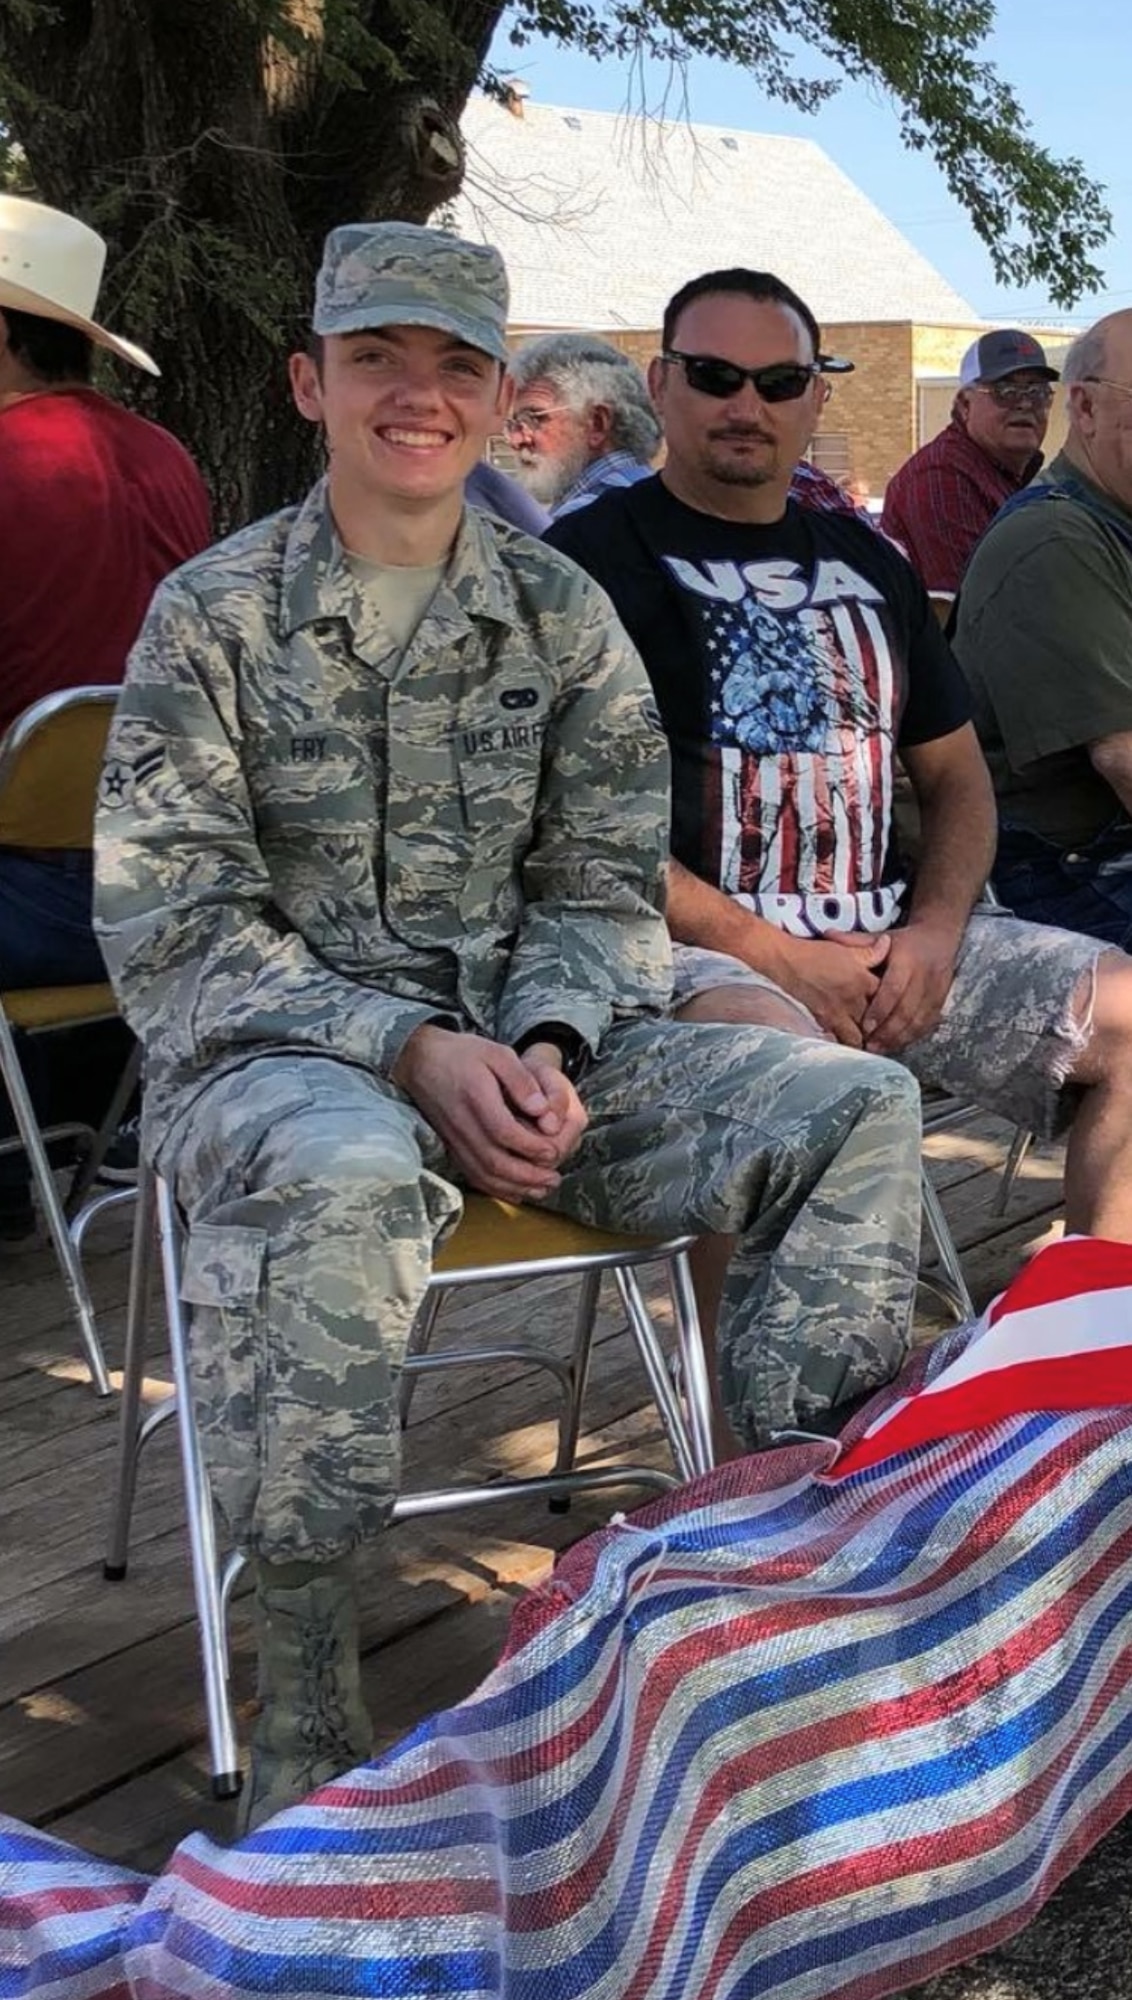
(312,1722)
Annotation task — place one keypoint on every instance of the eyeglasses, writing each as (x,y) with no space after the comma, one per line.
(1018,395)
(531,420)
(1125,388)
(781,382)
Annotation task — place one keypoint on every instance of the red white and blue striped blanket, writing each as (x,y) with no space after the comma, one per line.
(801,1731)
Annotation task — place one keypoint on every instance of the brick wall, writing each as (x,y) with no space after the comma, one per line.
(875,405)
(938,350)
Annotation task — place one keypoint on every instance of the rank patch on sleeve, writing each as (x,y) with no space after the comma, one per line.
(121,779)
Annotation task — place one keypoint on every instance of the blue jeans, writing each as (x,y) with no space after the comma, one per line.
(1086,888)
(46,939)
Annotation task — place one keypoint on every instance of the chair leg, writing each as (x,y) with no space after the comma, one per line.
(693,1362)
(420,1336)
(570,1421)
(133,1374)
(40,1166)
(97,1206)
(1019,1147)
(208,1588)
(652,1358)
(949,1282)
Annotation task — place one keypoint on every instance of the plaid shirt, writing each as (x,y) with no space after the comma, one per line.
(614,468)
(811,487)
(940,501)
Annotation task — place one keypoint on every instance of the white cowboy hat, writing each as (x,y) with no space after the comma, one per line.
(51,265)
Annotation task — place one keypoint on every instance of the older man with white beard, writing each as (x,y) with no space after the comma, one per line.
(581,420)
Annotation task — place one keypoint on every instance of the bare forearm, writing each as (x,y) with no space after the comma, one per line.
(959,836)
(833,979)
(699,914)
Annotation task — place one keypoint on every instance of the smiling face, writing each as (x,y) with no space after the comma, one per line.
(407,411)
(735,456)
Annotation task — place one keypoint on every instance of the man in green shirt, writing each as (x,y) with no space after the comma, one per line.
(1044,636)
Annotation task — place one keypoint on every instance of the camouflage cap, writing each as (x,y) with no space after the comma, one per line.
(399,274)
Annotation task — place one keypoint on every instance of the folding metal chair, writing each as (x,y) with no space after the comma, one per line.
(50,764)
(494,1243)
(946,1279)
(948,1282)
(1023,1137)
(1015,1159)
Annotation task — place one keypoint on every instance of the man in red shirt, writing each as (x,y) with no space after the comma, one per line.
(946,494)
(96,506)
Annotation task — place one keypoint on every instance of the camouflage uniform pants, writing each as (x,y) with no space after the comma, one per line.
(314,1194)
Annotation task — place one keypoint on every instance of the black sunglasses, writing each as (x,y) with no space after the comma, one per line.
(781,382)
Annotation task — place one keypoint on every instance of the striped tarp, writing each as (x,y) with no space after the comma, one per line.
(785,1733)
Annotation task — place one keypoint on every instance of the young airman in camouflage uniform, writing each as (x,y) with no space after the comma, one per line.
(381,866)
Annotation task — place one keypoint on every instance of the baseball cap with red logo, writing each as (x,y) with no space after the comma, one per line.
(1003,352)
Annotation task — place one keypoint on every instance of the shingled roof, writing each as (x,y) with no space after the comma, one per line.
(601,216)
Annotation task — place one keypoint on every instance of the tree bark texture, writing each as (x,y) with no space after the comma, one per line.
(213,143)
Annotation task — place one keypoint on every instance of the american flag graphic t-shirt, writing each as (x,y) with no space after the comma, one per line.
(790,663)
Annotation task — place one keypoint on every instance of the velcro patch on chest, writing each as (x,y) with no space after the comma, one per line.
(491,738)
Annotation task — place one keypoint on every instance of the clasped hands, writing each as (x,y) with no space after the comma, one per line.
(877,992)
(509,1121)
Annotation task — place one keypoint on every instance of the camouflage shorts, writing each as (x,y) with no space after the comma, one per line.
(1017,1017)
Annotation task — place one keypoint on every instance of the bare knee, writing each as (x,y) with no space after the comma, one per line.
(1101,1015)
(751,1007)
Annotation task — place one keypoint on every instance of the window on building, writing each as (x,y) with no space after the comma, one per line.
(831,453)
(933,407)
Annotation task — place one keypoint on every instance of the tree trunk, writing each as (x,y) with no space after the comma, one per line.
(214,155)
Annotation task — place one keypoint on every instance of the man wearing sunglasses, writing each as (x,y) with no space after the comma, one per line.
(1044,635)
(793,654)
(946,494)
(581,420)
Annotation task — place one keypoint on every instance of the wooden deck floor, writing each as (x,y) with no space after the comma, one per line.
(101,1721)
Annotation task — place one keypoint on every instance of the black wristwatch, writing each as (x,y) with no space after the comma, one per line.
(574,1049)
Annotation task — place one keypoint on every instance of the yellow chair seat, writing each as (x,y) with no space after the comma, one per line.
(57,1006)
(491,1233)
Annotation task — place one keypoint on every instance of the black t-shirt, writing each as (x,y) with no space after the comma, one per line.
(790,663)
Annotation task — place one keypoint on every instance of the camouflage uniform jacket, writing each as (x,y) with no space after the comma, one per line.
(310,841)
